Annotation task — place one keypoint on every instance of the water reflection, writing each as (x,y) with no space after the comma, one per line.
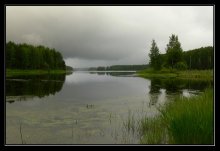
(155,86)
(23,88)
(178,85)
(130,73)
(161,88)
(114,73)
(90,108)
(158,98)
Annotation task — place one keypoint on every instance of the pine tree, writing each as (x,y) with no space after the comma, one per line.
(173,51)
(155,60)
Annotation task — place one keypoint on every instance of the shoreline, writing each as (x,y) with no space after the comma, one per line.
(15,72)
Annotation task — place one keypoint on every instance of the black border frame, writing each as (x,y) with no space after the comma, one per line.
(100,4)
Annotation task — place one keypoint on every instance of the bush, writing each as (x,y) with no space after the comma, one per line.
(181,66)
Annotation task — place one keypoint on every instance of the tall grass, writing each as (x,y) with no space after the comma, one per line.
(163,73)
(196,74)
(21,135)
(171,73)
(182,121)
(190,121)
(151,131)
(130,123)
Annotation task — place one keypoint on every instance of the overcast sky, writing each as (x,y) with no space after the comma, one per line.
(107,35)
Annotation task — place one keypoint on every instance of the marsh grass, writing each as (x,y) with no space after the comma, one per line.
(171,73)
(152,131)
(21,135)
(190,120)
(182,121)
(196,74)
(130,123)
(163,73)
(187,121)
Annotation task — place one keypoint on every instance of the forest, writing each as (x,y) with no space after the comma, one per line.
(121,67)
(175,57)
(201,58)
(25,56)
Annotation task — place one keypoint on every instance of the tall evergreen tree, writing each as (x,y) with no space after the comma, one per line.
(155,60)
(173,51)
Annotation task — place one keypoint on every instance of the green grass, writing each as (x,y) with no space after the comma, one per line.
(171,73)
(15,72)
(150,73)
(186,120)
(190,121)
(196,74)
(130,123)
(151,131)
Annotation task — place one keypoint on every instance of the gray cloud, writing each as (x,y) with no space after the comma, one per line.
(109,34)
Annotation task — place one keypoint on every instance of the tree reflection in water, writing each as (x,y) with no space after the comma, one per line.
(23,87)
(162,87)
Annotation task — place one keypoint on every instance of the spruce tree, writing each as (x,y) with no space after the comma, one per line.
(173,51)
(155,61)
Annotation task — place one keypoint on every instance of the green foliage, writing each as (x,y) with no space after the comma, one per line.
(24,56)
(183,121)
(190,121)
(155,60)
(196,74)
(200,58)
(173,51)
(163,73)
(69,68)
(101,68)
(151,132)
(180,66)
(171,73)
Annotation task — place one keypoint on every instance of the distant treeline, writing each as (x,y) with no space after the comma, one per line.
(69,68)
(25,56)
(121,67)
(200,58)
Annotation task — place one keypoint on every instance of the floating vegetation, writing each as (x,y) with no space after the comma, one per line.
(88,106)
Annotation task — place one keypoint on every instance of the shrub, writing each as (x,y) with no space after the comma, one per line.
(181,66)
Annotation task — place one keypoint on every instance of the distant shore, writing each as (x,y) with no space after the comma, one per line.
(14,72)
(185,74)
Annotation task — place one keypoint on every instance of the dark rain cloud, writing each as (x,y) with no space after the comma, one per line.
(108,34)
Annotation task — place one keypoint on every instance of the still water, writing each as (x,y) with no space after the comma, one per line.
(85,107)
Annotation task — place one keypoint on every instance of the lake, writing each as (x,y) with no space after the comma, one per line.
(86,107)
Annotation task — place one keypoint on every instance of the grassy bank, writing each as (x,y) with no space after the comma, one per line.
(15,72)
(196,74)
(182,121)
(169,73)
(164,73)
